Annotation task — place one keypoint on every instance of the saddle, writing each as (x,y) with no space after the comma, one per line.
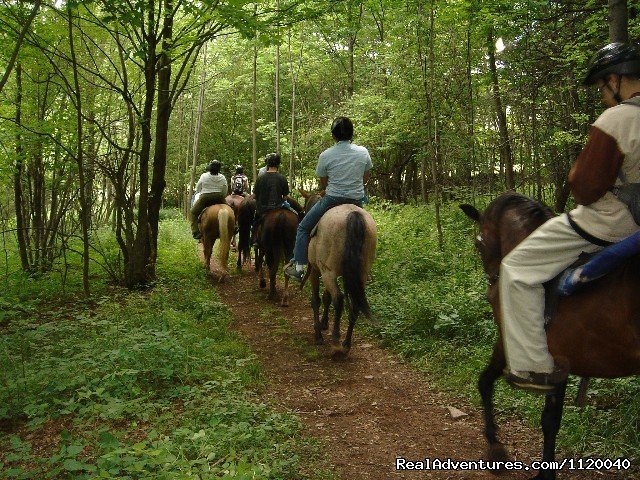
(587,268)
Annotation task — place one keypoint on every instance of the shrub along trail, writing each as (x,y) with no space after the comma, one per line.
(369,409)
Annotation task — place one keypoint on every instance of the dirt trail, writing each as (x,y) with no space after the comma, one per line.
(369,409)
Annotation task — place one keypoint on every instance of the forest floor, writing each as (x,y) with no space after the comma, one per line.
(372,407)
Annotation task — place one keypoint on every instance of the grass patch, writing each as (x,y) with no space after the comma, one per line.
(138,384)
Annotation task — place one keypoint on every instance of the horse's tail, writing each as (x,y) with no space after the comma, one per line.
(225,235)
(352,263)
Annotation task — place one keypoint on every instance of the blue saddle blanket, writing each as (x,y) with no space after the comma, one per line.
(600,264)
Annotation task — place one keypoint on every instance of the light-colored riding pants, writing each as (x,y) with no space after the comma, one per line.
(537,259)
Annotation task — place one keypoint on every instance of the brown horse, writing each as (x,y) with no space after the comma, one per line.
(310,198)
(344,246)
(276,237)
(246,211)
(595,332)
(217,222)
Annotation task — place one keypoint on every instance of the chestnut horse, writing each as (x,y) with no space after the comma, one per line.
(344,245)
(246,211)
(595,332)
(217,222)
(276,237)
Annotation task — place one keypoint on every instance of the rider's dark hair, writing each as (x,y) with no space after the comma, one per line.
(342,129)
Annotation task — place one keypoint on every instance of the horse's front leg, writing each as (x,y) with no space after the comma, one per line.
(551,418)
(486,384)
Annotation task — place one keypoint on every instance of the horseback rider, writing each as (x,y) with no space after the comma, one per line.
(343,169)
(271,190)
(610,158)
(239,182)
(210,189)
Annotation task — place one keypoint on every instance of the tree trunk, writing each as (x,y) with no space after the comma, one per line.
(84,213)
(18,45)
(136,268)
(163,114)
(618,21)
(501,116)
(196,133)
(17,177)
(435,156)
(254,95)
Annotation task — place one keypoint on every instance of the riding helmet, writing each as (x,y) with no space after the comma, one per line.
(272,160)
(239,169)
(617,57)
(214,167)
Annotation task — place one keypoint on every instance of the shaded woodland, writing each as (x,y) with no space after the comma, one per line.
(110,109)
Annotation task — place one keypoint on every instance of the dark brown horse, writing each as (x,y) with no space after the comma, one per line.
(344,246)
(595,332)
(276,237)
(217,222)
(246,211)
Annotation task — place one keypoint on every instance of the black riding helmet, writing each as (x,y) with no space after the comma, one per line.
(214,167)
(272,160)
(239,169)
(619,58)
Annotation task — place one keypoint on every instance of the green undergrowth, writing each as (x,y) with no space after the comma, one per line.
(430,306)
(138,385)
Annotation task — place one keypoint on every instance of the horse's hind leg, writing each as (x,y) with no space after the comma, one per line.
(486,384)
(353,314)
(551,417)
(273,270)
(326,303)
(314,278)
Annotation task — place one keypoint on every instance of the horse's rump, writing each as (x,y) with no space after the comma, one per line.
(345,243)
(217,222)
(278,234)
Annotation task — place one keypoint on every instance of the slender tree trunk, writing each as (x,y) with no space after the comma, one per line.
(618,21)
(196,133)
(254,95)
(436,130)
(501,116)
(84,214)
(18,45)
(17,177)
(277,93)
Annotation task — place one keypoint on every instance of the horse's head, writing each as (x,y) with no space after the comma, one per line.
(507,220)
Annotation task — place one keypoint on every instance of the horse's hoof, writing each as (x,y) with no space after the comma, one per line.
(319,341)
(498,453)
(339,354)
(263,284)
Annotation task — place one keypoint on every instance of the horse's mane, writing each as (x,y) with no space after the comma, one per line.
(532,212)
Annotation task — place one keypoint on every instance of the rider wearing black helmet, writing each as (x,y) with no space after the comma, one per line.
(239,182)
(610,158)
(210,189)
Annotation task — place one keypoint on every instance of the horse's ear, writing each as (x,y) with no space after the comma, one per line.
(471,212)
(304,193)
